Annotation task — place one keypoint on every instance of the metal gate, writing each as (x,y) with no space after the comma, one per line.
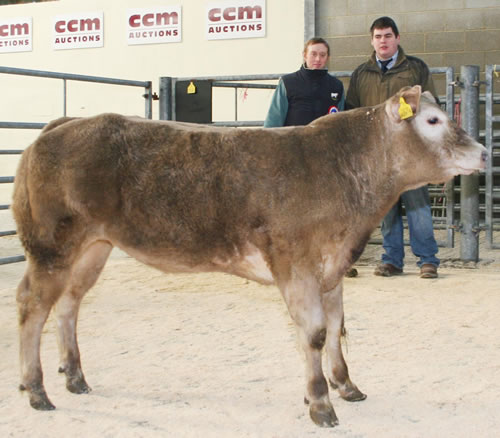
(148,96)
(492,174)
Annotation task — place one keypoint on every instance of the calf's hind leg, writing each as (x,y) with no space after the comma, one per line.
(83,276)
(36,294)
(337,367)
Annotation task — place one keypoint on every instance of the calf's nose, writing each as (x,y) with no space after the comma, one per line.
(484,156)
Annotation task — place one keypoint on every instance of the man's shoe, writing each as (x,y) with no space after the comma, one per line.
(428,270)
(351,273)
(387,270)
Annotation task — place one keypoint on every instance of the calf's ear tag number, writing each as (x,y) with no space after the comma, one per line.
(405,111)
(191,88)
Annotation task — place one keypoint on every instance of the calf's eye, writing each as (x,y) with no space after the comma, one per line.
(433,120)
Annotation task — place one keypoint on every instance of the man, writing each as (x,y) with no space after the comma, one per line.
(307,94)
(385,73)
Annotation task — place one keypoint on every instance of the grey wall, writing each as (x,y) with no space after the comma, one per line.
(441,32)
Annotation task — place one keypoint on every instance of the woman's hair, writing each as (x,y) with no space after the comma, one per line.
(316,40)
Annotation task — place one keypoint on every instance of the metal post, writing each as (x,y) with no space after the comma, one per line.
(148,95)
(165,98)
(65,97)
(450,185)
(489,164)
(469,193)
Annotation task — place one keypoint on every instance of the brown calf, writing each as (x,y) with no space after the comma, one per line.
(288,206)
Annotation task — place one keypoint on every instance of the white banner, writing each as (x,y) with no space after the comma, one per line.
(236,19)
(78,31)
(16,34)
(154,25)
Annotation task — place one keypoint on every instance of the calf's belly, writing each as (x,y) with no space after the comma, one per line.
(249,263)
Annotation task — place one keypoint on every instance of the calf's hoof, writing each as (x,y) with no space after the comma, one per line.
(353,395)
(77,385)
(38,398)
(323,415)
(348,392)
(41,404)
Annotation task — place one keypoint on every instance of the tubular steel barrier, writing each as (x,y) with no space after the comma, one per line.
(148,96)
(147,85)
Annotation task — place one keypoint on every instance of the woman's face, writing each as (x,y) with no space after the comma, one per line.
(316,56)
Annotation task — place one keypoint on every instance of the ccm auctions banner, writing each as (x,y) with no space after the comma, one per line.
(230,19)
(78,31)
(16,34)
(154,25)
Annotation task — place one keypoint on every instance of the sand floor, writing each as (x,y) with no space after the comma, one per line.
(211,355)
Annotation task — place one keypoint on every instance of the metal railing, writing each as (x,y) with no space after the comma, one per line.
(147,85)
(148,96)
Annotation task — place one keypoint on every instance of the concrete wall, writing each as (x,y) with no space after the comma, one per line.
(441,32)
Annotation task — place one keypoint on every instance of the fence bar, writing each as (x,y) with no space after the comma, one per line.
(8,233)
(242,85)
(11,151)
(469,194)
(22,125)
(73,77)
(238,124)
(489,146)
(449,187)
(261,77)
(14,259)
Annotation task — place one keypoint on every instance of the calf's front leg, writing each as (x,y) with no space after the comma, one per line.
(302,296)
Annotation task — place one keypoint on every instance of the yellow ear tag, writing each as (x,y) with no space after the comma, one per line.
(405,111)
(191,88)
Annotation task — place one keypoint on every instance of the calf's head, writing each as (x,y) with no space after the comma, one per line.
(431,147)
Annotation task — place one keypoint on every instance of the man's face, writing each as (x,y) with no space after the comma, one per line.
(316,56)
(385,43)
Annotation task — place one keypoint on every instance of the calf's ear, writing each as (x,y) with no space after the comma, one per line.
(427,95)
(405,104)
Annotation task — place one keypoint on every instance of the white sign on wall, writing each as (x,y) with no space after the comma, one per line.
(16,34)
(154,25)
(230,19)
(78,31)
